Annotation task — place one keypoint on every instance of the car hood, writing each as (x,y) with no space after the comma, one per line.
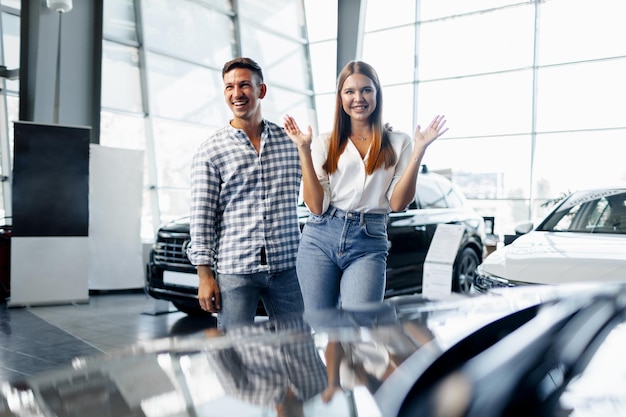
(245,371)
(180,225)
(558,257)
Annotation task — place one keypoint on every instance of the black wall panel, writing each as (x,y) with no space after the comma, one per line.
(50,180)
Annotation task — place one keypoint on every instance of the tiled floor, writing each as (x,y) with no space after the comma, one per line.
(35,339)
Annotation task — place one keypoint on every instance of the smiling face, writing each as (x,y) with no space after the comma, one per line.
(358,97)
(243,92)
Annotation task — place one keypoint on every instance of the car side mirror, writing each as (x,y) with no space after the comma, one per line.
(523,228)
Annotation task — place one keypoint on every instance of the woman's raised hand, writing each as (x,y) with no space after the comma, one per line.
(433,131)
(300,139)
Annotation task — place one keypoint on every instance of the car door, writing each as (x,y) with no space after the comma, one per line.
(410,233)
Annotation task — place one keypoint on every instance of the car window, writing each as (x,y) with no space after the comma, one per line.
(605,214)
(429,195)
(454,198)
(565,221)
(598,214)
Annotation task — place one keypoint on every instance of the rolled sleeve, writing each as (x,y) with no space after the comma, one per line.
(319,154)
(403,147)
(204,205)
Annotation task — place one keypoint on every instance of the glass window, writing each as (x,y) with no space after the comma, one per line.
(380,15)
(582,96)
(284,61)
(493,41)
(599,215)
(279,102)
(436,9)
(492,168)
(224,5)
(324,66)
(321,20)
(565,162)
(119,20)
(148,220)
(175,145)
(508,213)
(591,213)
(454,199)
(589,31)
(13,115)
(188,30)
(11,47)
(284,16)
(186,92)
(398,107)
(393,65)
(479,106)
(12,3)
(174,203)
(566,220)
(121,83)
(325,108)
(428,194)
(126,131)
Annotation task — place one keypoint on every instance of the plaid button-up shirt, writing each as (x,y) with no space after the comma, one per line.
(265,359)
(242,202)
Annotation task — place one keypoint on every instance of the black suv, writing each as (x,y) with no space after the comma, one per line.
(171,277)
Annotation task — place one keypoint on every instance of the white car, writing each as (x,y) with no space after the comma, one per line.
(583,238)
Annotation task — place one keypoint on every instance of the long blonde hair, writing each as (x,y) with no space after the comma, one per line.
(381,152)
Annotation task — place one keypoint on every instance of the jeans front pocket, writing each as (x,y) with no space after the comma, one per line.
(316,218)
(375,229)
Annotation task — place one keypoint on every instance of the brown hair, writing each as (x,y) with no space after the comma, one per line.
(381,152)
(246,63)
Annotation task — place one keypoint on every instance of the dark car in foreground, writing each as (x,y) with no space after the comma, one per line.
(582,238)
(544,351)
(171,277)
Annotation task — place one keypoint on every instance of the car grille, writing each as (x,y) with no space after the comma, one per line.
(170,249)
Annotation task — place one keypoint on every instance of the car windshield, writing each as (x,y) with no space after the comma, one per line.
(589,212)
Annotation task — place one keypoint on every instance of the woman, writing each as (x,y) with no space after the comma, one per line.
(352,178)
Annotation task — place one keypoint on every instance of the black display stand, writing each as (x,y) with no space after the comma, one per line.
(49,243)
(50,180)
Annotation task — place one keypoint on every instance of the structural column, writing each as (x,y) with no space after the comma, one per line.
(71,42)
(350,29)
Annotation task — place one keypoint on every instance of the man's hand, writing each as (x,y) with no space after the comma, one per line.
(208,291)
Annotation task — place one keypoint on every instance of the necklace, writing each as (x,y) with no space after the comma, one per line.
(361,138)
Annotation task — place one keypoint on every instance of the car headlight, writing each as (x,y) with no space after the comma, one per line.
(484,281)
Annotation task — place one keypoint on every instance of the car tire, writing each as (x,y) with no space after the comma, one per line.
(464,271)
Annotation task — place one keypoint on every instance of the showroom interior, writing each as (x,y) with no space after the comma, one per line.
(533,92)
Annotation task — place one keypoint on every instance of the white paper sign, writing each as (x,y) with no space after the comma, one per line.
(439,263)
(445,243)
(437,280)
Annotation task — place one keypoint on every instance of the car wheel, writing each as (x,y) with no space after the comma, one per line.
(464,271)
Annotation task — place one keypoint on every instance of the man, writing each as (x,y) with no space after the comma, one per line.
(245,180)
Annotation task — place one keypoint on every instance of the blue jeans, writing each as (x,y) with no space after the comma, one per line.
(342,259)
(280,293)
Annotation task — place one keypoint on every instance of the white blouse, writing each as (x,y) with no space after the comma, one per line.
(349,188)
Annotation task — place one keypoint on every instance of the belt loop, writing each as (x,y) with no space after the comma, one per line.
(362,220)
(331,211)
